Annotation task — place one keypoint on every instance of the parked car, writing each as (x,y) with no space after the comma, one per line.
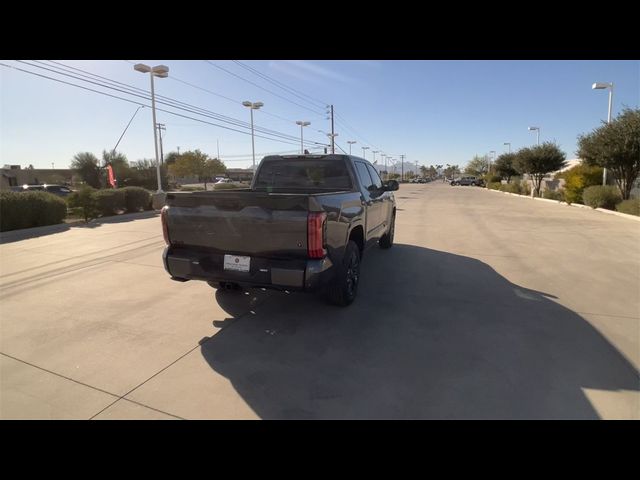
(466,181)
(224,180)
(60,190)
(303,225)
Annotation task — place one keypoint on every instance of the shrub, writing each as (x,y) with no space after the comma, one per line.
(577,179)
(513,187)
(136,199)
(554,195)
(491,178)
(110,201)
(525,188)
(631,206)
(191,189)
(494,185)
(85,201)
(30,209)
(601,196)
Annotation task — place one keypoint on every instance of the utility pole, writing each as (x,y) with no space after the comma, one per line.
(161,127)
(178,149)
(402,168)
(333,144)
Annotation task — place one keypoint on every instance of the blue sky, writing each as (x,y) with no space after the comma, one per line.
(434,112)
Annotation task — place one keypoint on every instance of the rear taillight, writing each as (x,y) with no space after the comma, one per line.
(165,230)
(315,234)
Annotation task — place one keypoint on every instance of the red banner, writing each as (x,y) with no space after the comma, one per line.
(112,177)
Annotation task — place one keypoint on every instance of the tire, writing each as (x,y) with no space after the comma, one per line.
(386,241)
(344,287)
(215,285)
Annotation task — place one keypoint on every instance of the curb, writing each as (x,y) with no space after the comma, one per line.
(575,205)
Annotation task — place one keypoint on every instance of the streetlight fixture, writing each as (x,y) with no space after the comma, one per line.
(351,142)
(374,155)
(537,129)
(302,125)
(508,143)
(603,86)
(160,71)
(364,149)
(253,106)
(493,152)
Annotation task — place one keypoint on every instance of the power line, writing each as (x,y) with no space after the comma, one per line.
(262,88)
(130,90)
(263,110)
(284,87)
(142,104)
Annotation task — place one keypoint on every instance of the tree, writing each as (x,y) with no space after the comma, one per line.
(424,170)
(505,166)
(432,171)
(85,164)
(478,166)
(171,157)
(577,178)
(143,173)
(120,165)
(212,167)
(451,171)
(616,147)
(539,160)
(198,164)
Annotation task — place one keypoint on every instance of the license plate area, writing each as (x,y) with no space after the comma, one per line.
(237,263)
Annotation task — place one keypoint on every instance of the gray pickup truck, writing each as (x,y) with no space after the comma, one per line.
(303,225)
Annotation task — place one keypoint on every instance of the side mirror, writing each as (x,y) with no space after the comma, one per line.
(391,185)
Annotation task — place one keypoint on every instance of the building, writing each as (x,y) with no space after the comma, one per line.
(14,176)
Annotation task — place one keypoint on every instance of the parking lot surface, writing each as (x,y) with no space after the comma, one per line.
(488,306)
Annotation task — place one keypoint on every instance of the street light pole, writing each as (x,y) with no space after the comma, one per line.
(253,106)
(364,155)
(537,129)
(351,142)
(302,125)
(161,71)
(161,127)
(602,86)
(508,143)
(374,155)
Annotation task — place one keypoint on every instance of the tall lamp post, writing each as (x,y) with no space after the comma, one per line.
(302,125)
(602,86)
(537,129)
(160,71)
(508,143)
(374,155)
(364,149)
(253,106)
(351,142)
(493,157)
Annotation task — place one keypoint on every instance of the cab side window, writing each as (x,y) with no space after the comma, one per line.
(375,177)
(363,175)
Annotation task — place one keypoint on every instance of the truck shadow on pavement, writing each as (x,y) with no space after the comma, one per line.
(431,335)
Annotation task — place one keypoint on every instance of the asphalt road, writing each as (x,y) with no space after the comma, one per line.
(488,306)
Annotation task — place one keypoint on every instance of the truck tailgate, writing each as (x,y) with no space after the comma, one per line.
(240,222)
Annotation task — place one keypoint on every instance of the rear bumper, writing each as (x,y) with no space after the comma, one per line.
(295,275)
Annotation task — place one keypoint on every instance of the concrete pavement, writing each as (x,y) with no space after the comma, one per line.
(488,306)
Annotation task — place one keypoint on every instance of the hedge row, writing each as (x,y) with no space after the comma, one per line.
(30,209)
(110,201)
(602,196)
